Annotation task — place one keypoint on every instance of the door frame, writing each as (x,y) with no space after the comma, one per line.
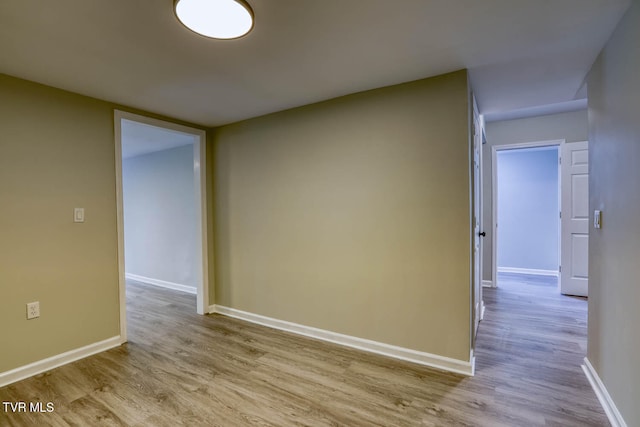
(477,300)
(494,199)
(200,183)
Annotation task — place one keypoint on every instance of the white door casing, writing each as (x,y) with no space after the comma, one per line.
(200,183)
(494,191)
(574,256)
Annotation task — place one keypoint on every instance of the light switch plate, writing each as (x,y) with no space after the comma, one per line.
(597,219)
(78,215)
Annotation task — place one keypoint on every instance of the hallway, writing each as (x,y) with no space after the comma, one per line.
(535,339)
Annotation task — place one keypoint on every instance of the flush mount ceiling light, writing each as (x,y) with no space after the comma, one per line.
(217,19)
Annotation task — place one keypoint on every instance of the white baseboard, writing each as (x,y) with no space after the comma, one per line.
(49,363)
(615,418)
(487,283)
(422,358)
(482,309)
(162,283)
(532,271)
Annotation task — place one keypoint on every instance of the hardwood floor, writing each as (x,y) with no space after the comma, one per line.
(183,369)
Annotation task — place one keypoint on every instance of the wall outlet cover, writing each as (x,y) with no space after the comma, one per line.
(33,310)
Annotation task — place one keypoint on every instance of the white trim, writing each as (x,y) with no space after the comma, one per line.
(533,271)
(162,283)
(122,296)
(533,144)
(35,368)
(615,417)
(494,194)
(200,171)
(477,222)
(494,216)
(422,358)
(482,310)
(488,284)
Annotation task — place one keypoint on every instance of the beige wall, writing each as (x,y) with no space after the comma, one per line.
(56,153)
(570,126)
(331,215)
(614,250)
(352,215)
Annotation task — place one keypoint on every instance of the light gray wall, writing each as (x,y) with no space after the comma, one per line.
(614,250)
(570,126)
(160,217)
(528,208)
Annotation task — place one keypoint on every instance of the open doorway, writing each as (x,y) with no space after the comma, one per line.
(527,214)
(161,192)
(528,210)
(526,205)
(540,213)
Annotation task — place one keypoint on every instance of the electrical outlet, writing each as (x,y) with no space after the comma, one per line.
(33,310)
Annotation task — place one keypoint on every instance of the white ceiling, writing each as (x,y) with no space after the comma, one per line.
(520,54)
(139,138)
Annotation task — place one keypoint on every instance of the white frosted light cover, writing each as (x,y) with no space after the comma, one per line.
(219,19)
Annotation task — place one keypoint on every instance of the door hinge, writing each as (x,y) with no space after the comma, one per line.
(560,214)
(560,160)
(559,269)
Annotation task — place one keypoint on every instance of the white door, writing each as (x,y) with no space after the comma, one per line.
(477,188)
(574,253)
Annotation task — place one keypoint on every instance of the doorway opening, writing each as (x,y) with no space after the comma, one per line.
(161,199)
(528,211)
(540,213)
(526,202)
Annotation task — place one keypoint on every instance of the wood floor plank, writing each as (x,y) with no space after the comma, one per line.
(86,411)
(181,369)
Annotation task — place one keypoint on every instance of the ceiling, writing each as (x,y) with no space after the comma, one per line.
(520,54)
(139,138)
